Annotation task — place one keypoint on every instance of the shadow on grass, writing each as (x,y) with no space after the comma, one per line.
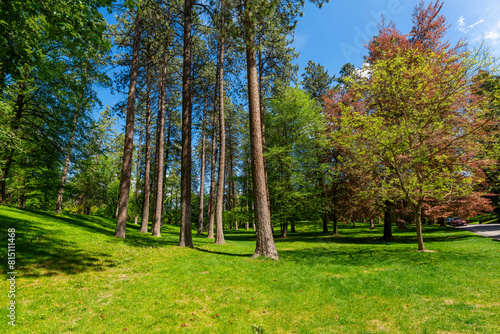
(107,227)
(46,254)
(222,253)
(40,252)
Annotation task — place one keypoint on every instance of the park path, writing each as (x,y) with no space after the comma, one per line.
(486,230)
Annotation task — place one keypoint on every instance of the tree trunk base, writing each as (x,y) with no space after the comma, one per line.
(389,238)
(268,255)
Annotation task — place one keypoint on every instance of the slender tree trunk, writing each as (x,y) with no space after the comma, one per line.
(155,177)
(186,239)
(213,164)
(160,148)
(284,229)
(388,217)
(124,189)
(372,224)
(202,176)
(265,242)
(137,177)
(418,223)
(326,221)
(219,236)
(165,163)
(147,168)
(335,223)
(66,164)
(263,128)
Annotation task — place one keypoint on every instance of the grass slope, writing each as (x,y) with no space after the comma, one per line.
(74,276)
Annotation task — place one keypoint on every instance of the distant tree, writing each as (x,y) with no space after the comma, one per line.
(316,81)
(294,121)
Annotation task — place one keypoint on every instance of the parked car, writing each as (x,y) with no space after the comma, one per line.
(458,222)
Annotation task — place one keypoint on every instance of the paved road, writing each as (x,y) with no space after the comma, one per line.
(486,230)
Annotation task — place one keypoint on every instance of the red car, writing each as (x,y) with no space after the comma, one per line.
(458,222)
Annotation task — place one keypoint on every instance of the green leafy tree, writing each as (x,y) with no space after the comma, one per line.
(415,119)
(293,122)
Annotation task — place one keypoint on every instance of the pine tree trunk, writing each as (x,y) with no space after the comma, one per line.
(147,168)
(121,220)
(137,176)
(66,164)
(202,176)
(185,238)
(219,236)
(165,162)
(265,242)
(213,164)
(160,147)
(263,129)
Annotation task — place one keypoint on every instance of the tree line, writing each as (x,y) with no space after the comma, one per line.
(218,131)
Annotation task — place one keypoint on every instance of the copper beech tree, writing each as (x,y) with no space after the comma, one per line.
(412,117)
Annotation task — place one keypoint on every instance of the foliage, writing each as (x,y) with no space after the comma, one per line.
(316,81)
(294,141)
(415,123)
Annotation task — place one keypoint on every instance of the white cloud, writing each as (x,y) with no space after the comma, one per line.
(493,35)
(461,24)
(475,24)
(463,27)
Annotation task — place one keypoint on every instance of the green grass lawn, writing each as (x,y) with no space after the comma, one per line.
(74,276)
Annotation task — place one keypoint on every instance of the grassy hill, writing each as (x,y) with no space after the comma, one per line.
(75,277)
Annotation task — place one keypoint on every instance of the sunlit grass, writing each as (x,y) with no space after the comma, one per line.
(74,276)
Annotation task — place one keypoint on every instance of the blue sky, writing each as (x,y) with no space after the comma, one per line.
(334,34)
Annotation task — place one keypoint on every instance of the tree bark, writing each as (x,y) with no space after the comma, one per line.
(284,229)
(213,164)
(137,177)
(326,221)
(219,236)
(160,148)
(147,168)
(66,164)
(265,242)
(202,176)
(372,224)
(418,223)
(335,223)
(185,238)
(124,189)
(388,217)
(263,128)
